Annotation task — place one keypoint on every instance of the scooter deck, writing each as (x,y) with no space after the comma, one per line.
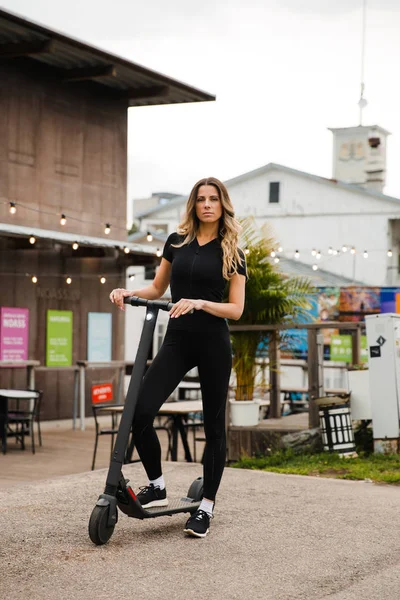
(174,506)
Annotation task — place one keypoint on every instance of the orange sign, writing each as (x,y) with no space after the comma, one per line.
(102,392)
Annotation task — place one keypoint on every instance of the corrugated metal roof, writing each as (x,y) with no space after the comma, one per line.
(320,278)
(72,59)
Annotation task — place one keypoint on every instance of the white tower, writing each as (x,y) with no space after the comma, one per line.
(359,156)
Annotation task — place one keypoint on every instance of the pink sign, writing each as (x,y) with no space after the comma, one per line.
(14,333)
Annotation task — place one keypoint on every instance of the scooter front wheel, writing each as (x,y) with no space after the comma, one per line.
(99,531)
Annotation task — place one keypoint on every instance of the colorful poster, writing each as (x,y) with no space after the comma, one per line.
(389,299)
(14,333)
(328,304)
(99,337)
(341,348)
(59,338)
(356,302)
(294,344)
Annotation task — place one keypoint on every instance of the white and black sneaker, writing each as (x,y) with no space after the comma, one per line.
(152,496)
(198,524)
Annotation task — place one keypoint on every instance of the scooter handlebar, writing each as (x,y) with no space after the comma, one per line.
(135,301)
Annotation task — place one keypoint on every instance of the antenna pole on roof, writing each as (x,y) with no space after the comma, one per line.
(362,103)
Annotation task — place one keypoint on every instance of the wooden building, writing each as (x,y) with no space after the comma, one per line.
(63,153)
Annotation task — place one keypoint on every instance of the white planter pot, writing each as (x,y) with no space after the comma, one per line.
(244,412)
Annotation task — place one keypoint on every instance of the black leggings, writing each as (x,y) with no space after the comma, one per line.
(181,351)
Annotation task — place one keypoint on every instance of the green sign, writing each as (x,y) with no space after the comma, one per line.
(341,348)
(59,338)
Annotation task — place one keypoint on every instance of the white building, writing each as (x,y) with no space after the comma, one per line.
(347,220)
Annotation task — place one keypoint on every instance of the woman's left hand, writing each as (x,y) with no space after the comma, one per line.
(185,306)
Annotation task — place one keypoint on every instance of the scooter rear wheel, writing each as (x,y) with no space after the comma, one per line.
(99,531)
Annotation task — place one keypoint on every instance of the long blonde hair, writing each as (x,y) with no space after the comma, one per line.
(229,226)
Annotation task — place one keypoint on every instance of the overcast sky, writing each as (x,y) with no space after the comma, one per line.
(283,72)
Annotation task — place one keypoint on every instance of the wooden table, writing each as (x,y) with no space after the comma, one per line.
(177,411)
(5,396)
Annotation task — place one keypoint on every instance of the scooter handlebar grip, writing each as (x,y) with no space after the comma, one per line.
(135,301)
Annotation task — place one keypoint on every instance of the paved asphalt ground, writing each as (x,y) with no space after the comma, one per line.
(273,537)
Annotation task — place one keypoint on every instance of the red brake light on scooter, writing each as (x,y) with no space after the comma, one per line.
(131,492)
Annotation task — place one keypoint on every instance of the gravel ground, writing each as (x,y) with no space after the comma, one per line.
(273,537)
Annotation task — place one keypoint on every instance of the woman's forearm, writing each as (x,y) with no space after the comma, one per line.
(150,292)
(225,310)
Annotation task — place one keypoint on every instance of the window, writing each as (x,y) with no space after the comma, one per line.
(274,192)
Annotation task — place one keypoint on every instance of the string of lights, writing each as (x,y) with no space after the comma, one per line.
(63,221)
(13,206)
(279,253)
(276,254)
(68,279)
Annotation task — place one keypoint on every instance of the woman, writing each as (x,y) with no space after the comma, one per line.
(197,262)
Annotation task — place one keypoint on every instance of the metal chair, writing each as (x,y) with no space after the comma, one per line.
(112,431)
(20,421)
(160,424)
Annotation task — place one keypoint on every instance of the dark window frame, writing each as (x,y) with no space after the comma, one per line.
(274,192)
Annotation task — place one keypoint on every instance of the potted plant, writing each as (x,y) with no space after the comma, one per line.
(271,298)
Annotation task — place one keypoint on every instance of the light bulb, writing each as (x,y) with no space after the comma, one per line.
(330,250)
(63,219)
(353,250)
(389,253)
(107,228)
(149,237)
(276,260)
(335,252)
(75,246)
(297,254)
(318,255)
(34,279)
(103,279)
(126,250)
(132,277)
(280,249)
(158,252)
(246,251)
(365,255)
(344,248)
(313,252)
(273,254)
(32,239)
(68,280)
(13,208)
(315,267)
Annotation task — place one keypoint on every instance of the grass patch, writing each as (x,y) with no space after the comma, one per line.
(377,467)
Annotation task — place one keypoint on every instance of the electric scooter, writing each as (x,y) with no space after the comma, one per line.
(117,492)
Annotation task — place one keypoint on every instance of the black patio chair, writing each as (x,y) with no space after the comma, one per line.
(21,418)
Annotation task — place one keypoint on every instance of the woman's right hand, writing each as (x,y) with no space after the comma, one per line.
(117,297)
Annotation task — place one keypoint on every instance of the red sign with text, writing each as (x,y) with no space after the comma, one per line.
(102,392)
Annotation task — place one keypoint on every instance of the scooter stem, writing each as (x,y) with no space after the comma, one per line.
(139,367)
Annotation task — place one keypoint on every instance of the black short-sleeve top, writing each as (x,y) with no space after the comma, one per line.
(197,273)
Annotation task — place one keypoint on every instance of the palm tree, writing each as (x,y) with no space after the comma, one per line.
(271,298)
